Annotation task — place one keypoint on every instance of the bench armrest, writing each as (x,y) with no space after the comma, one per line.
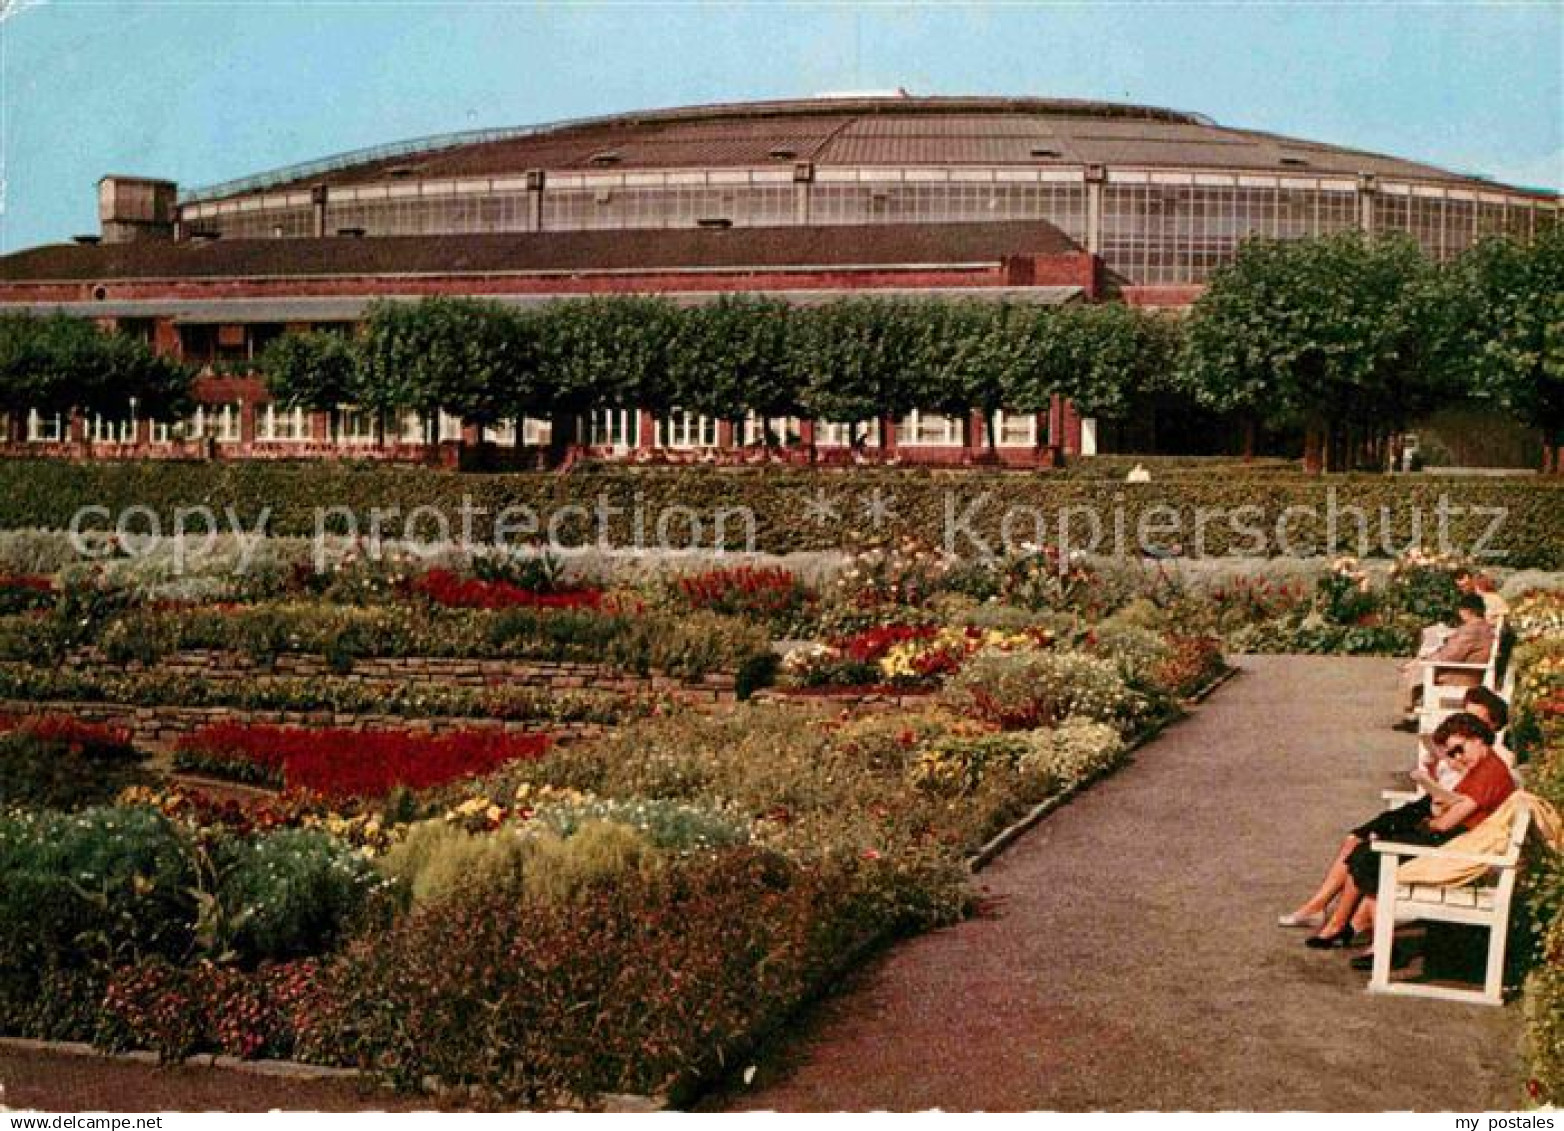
(1397,849)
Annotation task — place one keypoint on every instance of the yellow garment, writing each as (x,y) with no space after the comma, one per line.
(1491,838)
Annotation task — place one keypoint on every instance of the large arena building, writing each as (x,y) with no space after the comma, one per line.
(1020,199)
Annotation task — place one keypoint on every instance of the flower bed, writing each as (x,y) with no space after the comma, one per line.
(343,763)
(1537,735)
(447,588)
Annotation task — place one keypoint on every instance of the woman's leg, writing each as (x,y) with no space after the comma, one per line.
(1335,878)
(1346,907)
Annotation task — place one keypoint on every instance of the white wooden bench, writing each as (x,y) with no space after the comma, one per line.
(1441,700)
(1483,903)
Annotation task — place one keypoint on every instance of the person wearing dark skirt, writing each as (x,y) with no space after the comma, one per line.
(1484,785)
(1487,707)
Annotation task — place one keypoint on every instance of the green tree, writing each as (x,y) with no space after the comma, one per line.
(58,363)
(318,370)
(468,357)
(729,359)
(1330,335)
(1506,331)
(851,358)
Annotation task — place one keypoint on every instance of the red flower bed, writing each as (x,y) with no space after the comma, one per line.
(743,590)
(352,763)
(67,730)
(445,587)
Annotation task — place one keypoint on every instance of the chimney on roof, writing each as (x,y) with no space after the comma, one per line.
(135,209)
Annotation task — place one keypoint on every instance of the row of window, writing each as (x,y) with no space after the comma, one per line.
(1154,228)
(611,428)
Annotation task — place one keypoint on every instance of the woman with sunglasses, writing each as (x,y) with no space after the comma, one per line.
(1484,784)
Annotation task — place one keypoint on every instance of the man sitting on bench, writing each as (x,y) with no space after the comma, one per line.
(1470,643)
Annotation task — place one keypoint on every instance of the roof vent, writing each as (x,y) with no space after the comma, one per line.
(400,171)
(1045,151)
(351,233)
(606,157)
(1293,159)
(714,222)
(783,153)
(87,241)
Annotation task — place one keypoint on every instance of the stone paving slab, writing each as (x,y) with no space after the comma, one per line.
(1132,961)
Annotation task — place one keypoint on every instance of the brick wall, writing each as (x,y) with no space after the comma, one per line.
(230,667)
(158,729)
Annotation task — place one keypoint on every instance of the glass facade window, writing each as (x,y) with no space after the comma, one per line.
(433,214)
(1156,232)
(671,206)
(1062,204)
(1157,226)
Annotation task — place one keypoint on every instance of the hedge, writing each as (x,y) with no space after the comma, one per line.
(812,509)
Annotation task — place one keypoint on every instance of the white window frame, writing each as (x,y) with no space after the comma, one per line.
(102,430)
(919,429)
(1006,429)
(681,430)
(354,427)
(615,428)
(282,426)
(834,434)
(43,429)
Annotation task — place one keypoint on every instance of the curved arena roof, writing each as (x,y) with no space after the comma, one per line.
(851,131)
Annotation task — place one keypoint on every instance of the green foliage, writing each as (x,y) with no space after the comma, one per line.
(57,362)
(469,357)
(316,370)
(65,769)
(290,893)
(83,893)
(46,493)
(1506,305)
(1310,333)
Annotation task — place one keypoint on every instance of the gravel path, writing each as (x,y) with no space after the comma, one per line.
(1131,961)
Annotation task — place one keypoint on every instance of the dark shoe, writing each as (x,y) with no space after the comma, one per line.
(1407,725)
(1365,961)
(1342,937)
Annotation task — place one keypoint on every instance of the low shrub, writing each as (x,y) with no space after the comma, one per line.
(682,968)
(82,894)
(1025,690)
(291,893)
(406,698)
(178,1011)
(56,762)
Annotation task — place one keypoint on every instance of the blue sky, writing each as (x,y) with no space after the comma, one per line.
(201,92)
